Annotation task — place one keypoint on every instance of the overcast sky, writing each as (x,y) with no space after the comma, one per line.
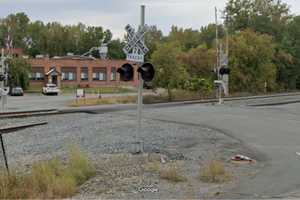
(115,14)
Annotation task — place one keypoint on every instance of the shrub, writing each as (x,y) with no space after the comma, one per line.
(171,173)
(214,172)
(200,85)
(48,179)
(79,166)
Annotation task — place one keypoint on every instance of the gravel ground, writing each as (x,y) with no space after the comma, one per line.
(109,133)
(115,134)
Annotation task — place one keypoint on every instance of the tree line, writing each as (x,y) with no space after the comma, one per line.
(264,50)
(264,47)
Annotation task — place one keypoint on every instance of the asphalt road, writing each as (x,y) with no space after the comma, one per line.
(39,101)
(36,101)
(272,132)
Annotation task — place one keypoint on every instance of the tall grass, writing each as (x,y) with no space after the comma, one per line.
(171,173)
(101,90)
(214,172)
(48,179)
(103,101)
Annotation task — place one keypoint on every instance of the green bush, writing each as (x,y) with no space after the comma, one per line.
(201,85)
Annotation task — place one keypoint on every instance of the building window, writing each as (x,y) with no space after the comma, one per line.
(37,74)
(113,75)
(68,76)
(68,73)
(84,74)
(99,74)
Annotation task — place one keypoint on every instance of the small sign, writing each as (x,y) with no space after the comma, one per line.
(223,59)
(3,92)
(221,84)
(135,57)
(80,93)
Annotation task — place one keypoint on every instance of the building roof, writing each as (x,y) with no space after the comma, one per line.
(13,51)
(74,57)
(53,71)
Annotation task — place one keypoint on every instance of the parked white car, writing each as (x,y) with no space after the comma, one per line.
(50,89)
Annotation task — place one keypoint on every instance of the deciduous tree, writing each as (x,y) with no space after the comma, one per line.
(251,62)
(170,71)
(19,70)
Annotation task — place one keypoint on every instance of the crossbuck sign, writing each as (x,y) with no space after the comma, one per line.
(136,49)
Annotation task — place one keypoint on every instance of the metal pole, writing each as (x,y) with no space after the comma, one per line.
(227,53)
(4,153)
(2,82)
(217,40)
(227,41)
(140,95)
(218,56)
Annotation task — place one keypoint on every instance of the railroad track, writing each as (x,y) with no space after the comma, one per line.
(114,108)
(11,129)
(28,113)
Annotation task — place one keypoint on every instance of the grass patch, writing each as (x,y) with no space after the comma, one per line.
(103,101)
(214,172)
(34,89)
(97,90)
(177,95)
(171,173)
(154,167)
(48,179)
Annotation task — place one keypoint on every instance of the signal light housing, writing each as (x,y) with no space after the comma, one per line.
(126,72)
(2,77)
(147,72)
(224,71)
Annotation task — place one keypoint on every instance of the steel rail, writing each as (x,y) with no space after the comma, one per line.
(10,129)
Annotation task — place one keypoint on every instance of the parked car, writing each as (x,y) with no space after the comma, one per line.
(16,91)
(50,89)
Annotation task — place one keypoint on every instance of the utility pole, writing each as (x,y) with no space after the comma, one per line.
(140,90)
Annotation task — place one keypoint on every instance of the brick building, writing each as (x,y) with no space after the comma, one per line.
(77,71)
(15,52)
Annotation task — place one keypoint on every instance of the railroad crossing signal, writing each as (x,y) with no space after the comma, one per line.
(146,71)
(135,51)
(136,40)
(3,78)
(135,48)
